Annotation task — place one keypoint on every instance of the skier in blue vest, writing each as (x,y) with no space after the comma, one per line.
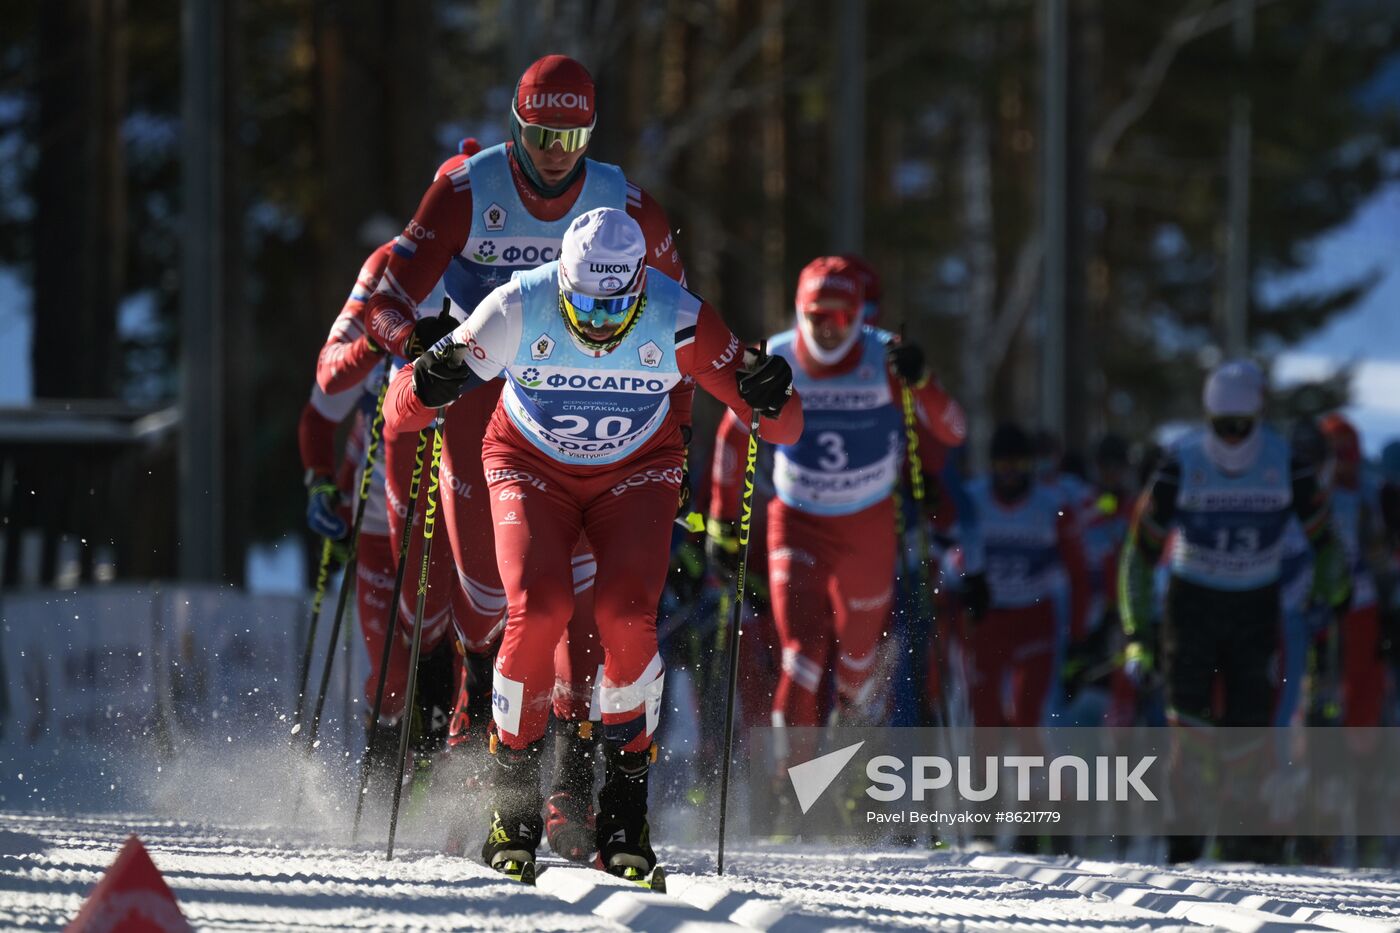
(1228,491)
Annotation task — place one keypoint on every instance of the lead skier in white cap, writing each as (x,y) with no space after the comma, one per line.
(584,440)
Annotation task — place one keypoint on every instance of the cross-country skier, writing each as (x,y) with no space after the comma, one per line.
(346,382)
(1356,519)
(761,646)
(831,525)
(1031,546)
(347,370)
(501,212)
(584,440)
(1227,491)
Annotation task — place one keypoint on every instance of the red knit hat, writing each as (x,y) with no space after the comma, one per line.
(556,91)
(830,284)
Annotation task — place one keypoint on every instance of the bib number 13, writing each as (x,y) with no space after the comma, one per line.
(1237,540)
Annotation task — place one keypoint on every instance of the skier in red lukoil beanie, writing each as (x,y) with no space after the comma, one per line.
(504,212)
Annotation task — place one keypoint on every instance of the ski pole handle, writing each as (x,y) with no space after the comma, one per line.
(448,350)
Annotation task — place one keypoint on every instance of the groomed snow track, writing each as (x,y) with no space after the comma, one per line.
(252,879)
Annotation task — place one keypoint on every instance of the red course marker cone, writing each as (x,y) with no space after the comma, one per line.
(131,898)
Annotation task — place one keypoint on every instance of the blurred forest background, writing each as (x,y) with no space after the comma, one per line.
(737,115)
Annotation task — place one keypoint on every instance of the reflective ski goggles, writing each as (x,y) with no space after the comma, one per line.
(570,139)
(597,313)
(1232,427)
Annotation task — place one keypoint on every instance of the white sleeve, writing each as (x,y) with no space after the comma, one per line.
(489,339)
(336,407)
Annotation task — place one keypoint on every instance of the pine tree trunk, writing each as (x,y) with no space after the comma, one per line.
(239,350)
(79,220)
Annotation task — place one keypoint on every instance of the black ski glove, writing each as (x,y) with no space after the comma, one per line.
(767,386)
(429,330)
(907,361)
(439,382)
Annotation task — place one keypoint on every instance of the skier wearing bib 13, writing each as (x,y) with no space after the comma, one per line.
(1223,495)
(584,440)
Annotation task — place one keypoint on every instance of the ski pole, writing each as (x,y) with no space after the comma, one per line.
(392,625)
(916,475)
(921,581)
(736,619)
(916,470)
(323,574)
(406,721)
(347,671)
(347,579)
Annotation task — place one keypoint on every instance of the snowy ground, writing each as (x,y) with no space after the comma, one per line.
(253,836)
(255,878)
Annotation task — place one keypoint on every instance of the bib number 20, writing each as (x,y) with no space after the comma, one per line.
(604,429)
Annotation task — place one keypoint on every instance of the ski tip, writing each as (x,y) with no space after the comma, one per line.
(518,870)
(656,881)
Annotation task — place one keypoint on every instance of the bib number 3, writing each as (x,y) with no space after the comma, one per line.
(835,457)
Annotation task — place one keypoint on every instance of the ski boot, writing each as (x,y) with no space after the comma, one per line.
(516,826)
(623,835)
(569,823)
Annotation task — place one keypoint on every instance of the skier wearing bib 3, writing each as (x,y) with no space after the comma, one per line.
(584,440)
(831,525)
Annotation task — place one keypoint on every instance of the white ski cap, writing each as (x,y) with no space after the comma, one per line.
(604,254)
(1235,388)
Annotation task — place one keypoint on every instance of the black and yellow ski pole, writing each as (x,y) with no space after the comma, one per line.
(916,472)
(736,620)
(391,625)
(924,626)
(347,580)
(916,476)
(406,721)
(323,574)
